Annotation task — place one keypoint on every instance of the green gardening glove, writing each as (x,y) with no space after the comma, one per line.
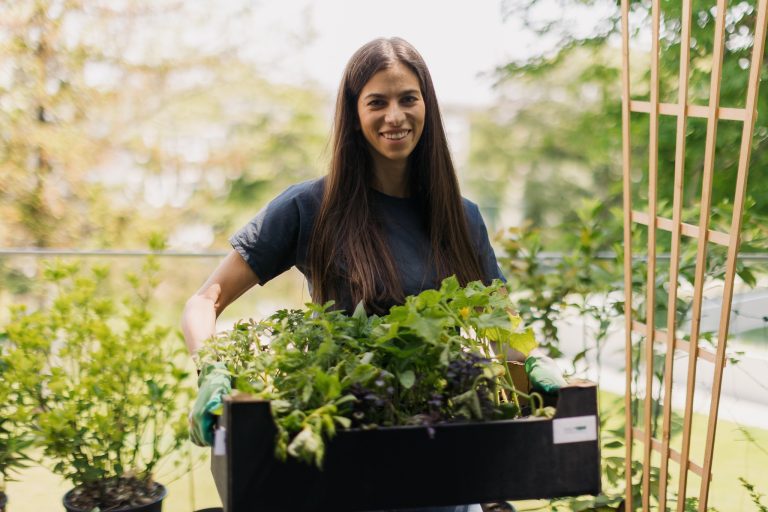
(214,383)
(544,374)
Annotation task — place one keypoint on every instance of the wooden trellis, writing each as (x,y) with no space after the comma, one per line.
(703,236)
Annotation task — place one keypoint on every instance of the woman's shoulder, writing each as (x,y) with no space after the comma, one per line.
(309,191)
(472,211)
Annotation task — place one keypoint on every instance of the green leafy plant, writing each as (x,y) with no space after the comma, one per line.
(14,439)
(97,381)
(439,357)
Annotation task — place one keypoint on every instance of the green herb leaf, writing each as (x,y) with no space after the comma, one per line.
(407,379)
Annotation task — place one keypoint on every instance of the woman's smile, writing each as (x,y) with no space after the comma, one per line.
(396,136)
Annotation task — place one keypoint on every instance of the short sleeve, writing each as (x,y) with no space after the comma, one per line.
(269,243)
(485,251)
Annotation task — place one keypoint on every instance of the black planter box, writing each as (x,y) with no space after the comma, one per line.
(409,467)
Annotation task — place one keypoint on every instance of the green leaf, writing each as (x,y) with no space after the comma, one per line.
(445,355)
(362,373)
(429,329)
(407,379)
(428,298)
(469,404)
(360,313)
(307,446)
(345,399)
(508,410)
(524,341)
(306,392)
(344,422)
(496,319)
(449,286)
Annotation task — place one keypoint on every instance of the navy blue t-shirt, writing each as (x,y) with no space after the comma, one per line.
(278,237)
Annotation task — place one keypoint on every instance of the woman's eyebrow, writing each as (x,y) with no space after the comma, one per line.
(401,93)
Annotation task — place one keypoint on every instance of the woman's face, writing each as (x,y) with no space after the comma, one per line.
(391,113)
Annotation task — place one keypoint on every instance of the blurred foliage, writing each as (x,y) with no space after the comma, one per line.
(754,495)
(545,147)
(117,118)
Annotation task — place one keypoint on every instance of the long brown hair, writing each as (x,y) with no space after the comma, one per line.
(348,247)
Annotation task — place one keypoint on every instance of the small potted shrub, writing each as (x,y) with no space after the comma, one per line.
(99,382)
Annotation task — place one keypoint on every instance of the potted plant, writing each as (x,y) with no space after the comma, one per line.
(97,376)
(348,408)
(440,357)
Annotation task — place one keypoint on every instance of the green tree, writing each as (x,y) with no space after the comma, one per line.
(571,104)
(119,119)
(557,134)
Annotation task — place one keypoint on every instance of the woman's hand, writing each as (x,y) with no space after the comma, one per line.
(214,383)
(544,374)
(230,280)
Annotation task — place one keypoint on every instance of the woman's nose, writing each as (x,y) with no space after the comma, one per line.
(394,115)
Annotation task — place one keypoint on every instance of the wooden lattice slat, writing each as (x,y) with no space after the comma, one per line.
(673,109)
(674,263)
(689,230)
(672,455)
(660,336)
(627,205)
(650,295)
(701,249)
(701,233)
(758,51)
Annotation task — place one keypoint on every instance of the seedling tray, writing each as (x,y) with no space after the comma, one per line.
(409,467)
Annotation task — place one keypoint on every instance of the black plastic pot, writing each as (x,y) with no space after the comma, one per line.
(3,501)
(411,467)
(155,506)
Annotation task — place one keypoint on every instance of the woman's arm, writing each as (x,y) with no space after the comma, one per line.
(230,280)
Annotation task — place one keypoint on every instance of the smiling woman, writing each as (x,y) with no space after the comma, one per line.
(392,221)
(388,221)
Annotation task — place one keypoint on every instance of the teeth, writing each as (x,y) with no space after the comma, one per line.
(395,135)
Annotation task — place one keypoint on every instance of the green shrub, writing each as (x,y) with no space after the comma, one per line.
(96,378)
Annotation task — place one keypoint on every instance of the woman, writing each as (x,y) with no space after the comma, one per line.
(386,222)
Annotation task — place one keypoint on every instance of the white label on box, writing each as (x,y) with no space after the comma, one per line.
(574,430)
(219,438)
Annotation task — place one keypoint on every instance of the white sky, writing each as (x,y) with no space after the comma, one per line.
(311,40)
(458,39)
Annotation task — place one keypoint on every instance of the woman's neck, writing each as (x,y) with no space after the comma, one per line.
(391,178)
